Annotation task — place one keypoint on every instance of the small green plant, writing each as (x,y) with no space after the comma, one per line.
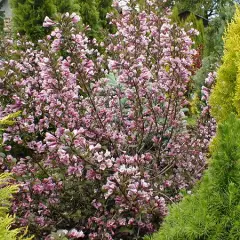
(213,210)
(8,120)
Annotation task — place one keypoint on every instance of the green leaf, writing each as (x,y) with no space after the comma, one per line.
(126,230)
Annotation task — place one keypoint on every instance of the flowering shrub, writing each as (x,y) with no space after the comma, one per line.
(102,144)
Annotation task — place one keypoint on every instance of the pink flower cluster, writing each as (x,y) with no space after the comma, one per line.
(102,144)
(206,90)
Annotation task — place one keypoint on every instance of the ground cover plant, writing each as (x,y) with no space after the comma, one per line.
(102,144)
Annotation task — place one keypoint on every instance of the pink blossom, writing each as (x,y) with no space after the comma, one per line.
(104,135)
(48,22)
(75,18)
(75,234)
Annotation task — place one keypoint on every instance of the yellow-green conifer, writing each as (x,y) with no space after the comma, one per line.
(226,94)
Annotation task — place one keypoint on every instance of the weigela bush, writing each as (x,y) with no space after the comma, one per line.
(102,144)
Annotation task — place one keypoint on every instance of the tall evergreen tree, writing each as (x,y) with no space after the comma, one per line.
(90,15)
(93,13)
(104,7)
(63,6)
(1,3)
(195,23)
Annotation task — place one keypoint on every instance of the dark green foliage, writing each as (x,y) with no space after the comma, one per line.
(1,3)
(190,22)
(93,13)
(205,8)
(1,15)
(213,47)
(210,37)
(213,211)
(28,16)
(90,15)
(215,31)
(219,14)
(67,6)
(104,7)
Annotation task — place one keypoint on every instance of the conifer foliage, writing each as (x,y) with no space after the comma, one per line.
(190,22)
(213,211)
(28,15)
(93,13)
(226,94)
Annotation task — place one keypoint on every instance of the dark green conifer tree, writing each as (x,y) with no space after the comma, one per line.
(205,8)
(90,15)
(104,7)
(70,6)
(28,16)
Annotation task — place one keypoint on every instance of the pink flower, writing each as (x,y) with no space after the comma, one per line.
(122,221)
(38,189)
(75,18)
(74,233)
(48,22)
(40,221)
(51,141)
(7,148)
(102,166)
(131,221)
(103,126)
